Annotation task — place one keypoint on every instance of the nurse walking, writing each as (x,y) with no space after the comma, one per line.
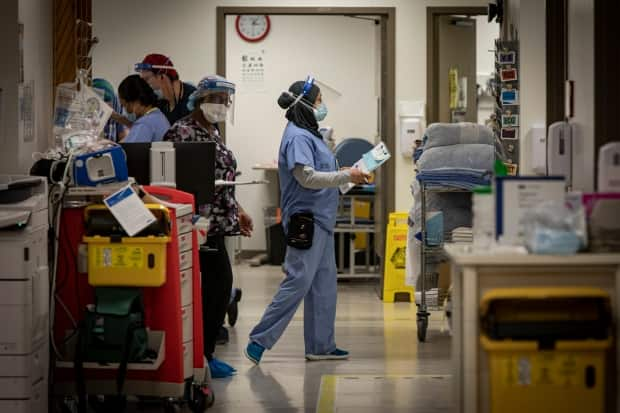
(309,180)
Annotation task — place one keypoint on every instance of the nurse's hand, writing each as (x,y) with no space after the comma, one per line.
(246,226)
(359,177)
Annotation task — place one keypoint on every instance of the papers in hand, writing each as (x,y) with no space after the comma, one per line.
(370,161)
(129,210)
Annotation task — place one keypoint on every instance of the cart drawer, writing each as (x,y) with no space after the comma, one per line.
(185,260)
(187,320)
(184,224)
(186,286)
(188,359)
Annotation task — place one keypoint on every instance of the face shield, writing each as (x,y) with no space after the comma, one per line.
(150,73)
(216,96)
(320,109)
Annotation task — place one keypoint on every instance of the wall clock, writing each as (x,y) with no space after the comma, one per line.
(252,27)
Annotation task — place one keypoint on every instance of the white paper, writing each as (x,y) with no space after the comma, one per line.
(252,68)
(371,160)
(129,210)
(521,196)
(221,182)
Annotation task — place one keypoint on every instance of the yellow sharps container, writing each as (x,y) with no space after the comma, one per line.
(547,348)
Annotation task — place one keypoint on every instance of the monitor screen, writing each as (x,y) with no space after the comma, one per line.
(194,167)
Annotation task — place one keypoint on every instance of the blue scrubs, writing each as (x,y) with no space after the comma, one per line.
(148,128)
(310,274)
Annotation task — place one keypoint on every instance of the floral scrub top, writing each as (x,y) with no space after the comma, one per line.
(223,212)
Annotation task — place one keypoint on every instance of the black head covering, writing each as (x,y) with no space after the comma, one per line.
(300,114)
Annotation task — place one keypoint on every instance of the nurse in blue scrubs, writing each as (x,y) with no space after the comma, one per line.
(309,180)
(148,123)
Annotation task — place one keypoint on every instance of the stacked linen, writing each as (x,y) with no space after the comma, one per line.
(462,235)
(455,155)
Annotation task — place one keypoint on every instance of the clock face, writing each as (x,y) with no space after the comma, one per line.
(253,28)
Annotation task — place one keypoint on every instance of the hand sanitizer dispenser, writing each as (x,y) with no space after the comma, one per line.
(609,167)
(411,123)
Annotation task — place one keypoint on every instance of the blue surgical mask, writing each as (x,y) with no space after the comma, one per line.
(158,93)
(131,117)
(321,112)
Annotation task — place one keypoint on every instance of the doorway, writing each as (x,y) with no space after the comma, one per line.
(385,18)
(459,64)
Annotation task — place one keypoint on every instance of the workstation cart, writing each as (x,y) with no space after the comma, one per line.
(177,374)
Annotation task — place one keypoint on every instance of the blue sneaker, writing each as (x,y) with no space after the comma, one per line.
(220,370)
(254,352)
(337,354)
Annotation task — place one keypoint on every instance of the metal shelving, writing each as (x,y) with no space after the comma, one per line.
(426,251)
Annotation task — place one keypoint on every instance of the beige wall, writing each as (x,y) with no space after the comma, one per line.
(16,154)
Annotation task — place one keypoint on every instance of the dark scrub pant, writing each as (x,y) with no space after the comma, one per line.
(217,279)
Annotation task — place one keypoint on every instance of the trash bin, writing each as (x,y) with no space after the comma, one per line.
(547,348)
(274,235)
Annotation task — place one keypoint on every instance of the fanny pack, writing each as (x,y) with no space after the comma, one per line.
(300,230)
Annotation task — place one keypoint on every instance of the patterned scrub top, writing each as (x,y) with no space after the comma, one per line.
(223,212)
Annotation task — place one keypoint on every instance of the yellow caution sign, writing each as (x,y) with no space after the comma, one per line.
(395,258)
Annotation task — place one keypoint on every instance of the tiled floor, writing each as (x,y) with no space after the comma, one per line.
(388,370)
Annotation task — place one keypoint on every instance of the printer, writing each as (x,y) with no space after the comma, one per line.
(24,294)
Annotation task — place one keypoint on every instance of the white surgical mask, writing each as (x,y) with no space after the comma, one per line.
(214,112)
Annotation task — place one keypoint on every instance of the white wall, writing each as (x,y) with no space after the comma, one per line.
(486,33)
(581,71)
(129,30)
(532,75)
(332,56)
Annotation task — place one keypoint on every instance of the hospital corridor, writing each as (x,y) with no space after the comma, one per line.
(318,206)
(388,369)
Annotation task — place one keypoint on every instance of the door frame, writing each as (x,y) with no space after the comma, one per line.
(387,15)
(432,53)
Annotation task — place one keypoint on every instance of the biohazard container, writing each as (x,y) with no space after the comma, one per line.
(115,259)
(547,348)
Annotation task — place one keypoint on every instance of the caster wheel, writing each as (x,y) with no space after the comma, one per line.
(202,399)
(422,325)
(171,406)
(104,404)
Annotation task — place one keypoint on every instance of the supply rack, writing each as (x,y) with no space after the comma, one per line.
(426,251)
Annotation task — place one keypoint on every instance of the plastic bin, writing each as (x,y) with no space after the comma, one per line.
(547,348)
(119,261)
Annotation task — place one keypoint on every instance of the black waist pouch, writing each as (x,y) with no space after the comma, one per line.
(300,231)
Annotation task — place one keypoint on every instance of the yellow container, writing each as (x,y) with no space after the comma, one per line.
(361,209)
(135,262)
(395,258)
(128,261)
(541,375)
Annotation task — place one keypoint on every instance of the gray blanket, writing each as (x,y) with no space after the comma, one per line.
(471,156)
(445,134)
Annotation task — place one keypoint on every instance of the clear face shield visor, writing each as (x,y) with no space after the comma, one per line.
(327,92)
(218,105)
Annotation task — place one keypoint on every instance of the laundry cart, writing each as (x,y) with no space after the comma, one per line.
(547,348)
(175,372)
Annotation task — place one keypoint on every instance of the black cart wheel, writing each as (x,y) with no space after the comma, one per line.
(202,398)
(171,406)
(422,324)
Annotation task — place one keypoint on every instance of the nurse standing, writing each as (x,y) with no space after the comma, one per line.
(309,180)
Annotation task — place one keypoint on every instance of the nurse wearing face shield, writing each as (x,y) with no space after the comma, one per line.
(210,104)
(309,180)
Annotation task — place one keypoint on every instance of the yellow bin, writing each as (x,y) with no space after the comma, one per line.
(547,348)
(138,261)
(395,258)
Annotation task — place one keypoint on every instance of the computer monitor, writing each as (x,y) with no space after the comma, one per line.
(194,167)
(138,161)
